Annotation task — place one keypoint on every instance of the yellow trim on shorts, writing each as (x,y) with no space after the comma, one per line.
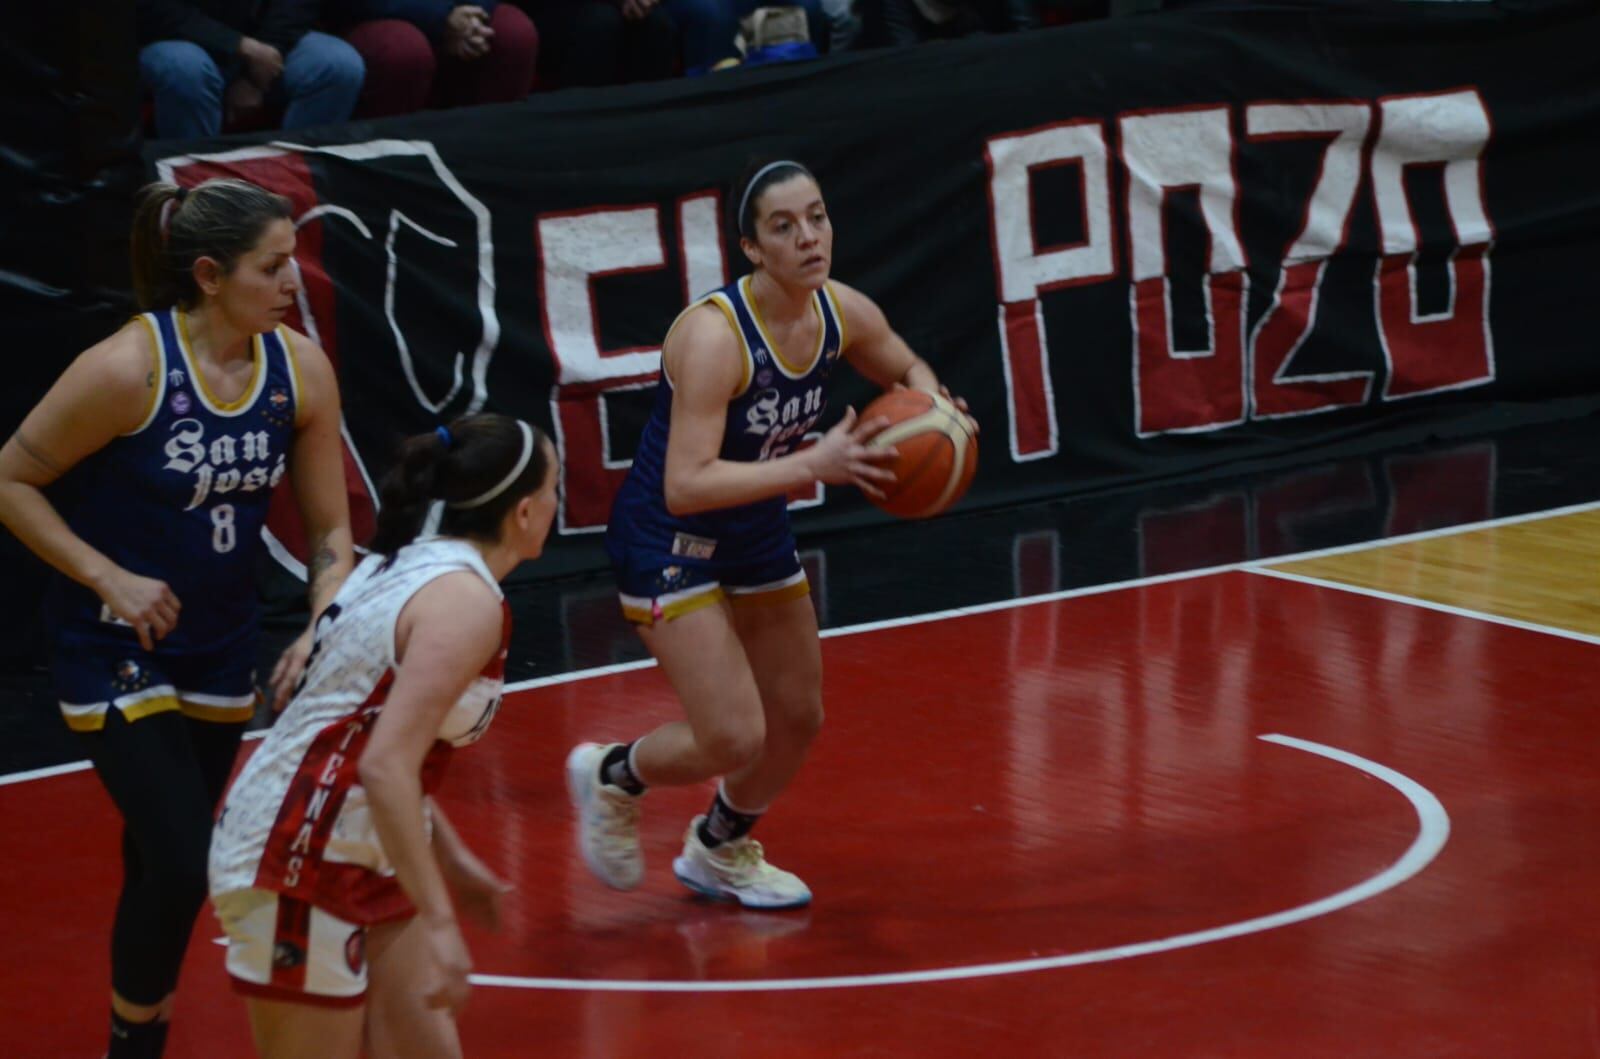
(799,590)
(160,704)
(688,604)
(85,722)
(217,714)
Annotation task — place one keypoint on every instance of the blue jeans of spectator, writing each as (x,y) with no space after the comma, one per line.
(320,84)
(708,27)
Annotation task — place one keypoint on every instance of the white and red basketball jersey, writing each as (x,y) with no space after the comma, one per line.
(296,820)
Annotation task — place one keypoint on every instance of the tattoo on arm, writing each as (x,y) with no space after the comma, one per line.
(38,457)
(320,563)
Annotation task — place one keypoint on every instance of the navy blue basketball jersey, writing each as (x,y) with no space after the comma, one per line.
(778,405)
(182,497)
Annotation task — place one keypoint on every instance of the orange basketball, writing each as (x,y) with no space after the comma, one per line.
(937,452)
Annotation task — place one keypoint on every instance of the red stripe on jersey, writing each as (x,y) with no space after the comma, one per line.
(359,895)
(316,794)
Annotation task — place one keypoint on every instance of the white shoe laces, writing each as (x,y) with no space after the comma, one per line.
(618,815)
(745,859)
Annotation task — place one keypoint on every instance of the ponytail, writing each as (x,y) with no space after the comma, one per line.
(476,469)
(174,227)
(406,492)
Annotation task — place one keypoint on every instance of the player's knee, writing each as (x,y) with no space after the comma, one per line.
(184,886)
(797,721)
(179,879)
(733,745)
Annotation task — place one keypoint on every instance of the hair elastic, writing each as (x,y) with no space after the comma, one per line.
(744,200)
(167,209)
(444,436)
(504,483)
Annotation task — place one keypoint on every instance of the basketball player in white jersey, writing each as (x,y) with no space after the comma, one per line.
(331,868)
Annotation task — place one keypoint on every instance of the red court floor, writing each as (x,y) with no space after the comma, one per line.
(1079,783)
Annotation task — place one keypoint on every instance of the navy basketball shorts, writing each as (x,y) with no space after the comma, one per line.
(95,672)
(655,586)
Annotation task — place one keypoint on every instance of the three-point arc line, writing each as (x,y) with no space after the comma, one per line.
(1432,833)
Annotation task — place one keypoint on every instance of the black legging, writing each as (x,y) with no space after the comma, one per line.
(166,774)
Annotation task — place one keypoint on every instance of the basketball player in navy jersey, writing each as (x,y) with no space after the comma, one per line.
(170,436)
(704,557)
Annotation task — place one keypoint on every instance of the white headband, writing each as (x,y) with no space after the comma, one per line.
(504,483)
(744,200)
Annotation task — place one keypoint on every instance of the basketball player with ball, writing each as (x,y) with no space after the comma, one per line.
(700,540)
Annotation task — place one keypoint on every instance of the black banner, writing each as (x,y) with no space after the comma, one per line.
(1139,248)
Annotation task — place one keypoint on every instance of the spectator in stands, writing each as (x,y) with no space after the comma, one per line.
(604,42)
(438,52)
(207,62)
(844,24)
(913,21)
(709,28)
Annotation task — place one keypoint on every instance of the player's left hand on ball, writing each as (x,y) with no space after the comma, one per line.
(961,405)
(286,674)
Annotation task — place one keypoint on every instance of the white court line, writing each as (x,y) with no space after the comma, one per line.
(79,766)
(1249,566)
(1426,604)
(1433,831)
(39,774)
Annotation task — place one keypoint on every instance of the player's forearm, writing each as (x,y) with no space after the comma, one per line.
(449,848)
(395,800)
(34,520)
(332,559)
(728,483)
(920,377)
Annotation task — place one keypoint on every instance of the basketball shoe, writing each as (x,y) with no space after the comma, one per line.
(608,820)
(737,871)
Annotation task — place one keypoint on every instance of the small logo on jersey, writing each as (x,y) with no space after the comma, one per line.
(355,950)
(286,956)
(277,409)
(759,355)
(764,377)
(179,403)
(831,352)
(692,547)
(175,378)
(129,676)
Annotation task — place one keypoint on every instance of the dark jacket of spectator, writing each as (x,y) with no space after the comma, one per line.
(218,25)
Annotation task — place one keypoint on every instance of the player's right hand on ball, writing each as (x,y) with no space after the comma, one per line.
(845,457)
(144,603)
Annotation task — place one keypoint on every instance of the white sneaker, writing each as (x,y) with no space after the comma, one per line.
(737,871)
(608,820)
